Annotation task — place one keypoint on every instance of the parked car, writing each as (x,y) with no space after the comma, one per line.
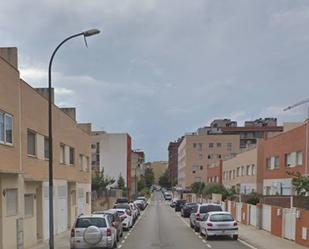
(179,204)
(134,210)
(115,220)
(143,198)
(188,208)
(173,203)
(168,196)
(127,206)
(93,231)
(122,200)
(202,209)
(126,217)
(219,224)
(140,204)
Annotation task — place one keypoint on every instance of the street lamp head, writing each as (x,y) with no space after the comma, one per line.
(91,32)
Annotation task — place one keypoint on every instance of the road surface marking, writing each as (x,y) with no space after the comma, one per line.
(204,241)
(119,246)
(200,237)
(126,237)
(209,246)
(123,241)
(247,244)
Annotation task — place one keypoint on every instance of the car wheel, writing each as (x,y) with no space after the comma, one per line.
(191,225)
(118,235)
(201,233)
(207,237)
(196,229)
(115,244)
(235,237)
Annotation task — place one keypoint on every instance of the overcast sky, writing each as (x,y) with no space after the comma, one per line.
(161,68)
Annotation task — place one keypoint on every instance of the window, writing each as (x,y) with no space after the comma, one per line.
(238,172)
(31,143)
(268,163)
(62,153)
(209,157)
(276,162)
(6,128)
(230,174)
(229,146)
(201,167)
(248,170)
(233,174)
(81,162)
(242,170)
(219,145)
(253,169)
(72,156)
(219,156)
(1,127)
(201,156)
(46,148)
(211,145)
(194,145)
(291,159)
(299,158)
(11,202)
(93,146)
(29,205)
(87,197)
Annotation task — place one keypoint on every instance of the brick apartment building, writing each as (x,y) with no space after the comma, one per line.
(173,161)
(287,152)
(24,161)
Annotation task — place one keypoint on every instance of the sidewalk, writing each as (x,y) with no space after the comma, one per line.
(264,240)
(62,241)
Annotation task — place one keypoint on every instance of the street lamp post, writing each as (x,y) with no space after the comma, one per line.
(50,132)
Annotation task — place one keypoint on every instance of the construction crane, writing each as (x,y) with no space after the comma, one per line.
(295,105)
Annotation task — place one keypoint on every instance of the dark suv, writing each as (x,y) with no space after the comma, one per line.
(115,220)
(179,204)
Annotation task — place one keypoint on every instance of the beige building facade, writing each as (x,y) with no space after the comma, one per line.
(197,152)
(24,161)
(158,168)
(240,172)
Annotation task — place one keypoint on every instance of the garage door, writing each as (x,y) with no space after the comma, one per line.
(266,218)
(81,201)
(62,217)
(289,221)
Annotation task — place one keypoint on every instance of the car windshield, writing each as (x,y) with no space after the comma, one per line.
(210,208)
(86,222)
(120,212)
(127,206)
(221,217)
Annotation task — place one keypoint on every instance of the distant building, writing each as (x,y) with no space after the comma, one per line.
(111,152)
(244,172)
(158,168)
(137,168)
(197,152)
(253,130)
(173,161)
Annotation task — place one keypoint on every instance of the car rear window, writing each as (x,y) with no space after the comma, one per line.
(120,212)
(221,217)
(127,206)
(86,222)
(194,209)
(210,208)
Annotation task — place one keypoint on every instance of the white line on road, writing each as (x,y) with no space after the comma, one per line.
(209,246)
(119,246)
(200,237)
(123,241)
(204,241)
(247,244)
(126,237)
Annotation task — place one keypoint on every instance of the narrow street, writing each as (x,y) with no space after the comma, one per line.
(161,227)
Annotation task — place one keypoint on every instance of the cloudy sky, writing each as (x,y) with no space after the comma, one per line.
(161,68)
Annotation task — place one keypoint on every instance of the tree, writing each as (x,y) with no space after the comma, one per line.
(164,180)
(100,182)
(197,187)
(216,188)
(300,182)
(149,177)
(121,183)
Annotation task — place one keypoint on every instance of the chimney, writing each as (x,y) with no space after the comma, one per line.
(70,111)
(44,93)
(10,55)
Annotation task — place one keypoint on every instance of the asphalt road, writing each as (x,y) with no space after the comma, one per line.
(160,227)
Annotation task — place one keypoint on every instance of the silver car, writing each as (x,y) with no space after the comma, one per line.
(202,209)
(219,224)
(93,231)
